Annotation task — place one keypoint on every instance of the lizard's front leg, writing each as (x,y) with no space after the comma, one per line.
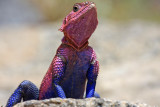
(26,91)
(57,75)
(92,74)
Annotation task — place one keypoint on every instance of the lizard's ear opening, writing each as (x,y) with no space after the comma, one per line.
(62,26)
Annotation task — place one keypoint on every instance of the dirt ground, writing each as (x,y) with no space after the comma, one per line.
(129,56)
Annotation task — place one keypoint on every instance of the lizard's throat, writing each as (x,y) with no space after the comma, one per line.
(67,41)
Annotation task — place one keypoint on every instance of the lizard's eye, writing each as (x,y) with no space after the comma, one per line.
(75,8)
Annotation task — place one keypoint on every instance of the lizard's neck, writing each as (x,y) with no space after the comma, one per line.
(67,41)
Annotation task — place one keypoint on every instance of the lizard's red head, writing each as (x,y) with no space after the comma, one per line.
(79,25)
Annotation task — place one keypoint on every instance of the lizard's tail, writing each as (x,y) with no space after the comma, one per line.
(26,91)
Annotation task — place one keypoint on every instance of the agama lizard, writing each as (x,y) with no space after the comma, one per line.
(74,63)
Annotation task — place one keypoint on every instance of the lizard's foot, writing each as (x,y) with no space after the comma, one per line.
(26,90)
(96,95)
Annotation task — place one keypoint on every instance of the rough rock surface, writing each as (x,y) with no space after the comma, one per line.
(89,102)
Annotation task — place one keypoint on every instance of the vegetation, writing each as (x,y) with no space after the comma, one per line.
(120,10)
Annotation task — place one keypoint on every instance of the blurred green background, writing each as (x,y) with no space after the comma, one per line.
(55,10)
(120,10)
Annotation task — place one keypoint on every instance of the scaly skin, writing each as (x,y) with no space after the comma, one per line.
(74,63)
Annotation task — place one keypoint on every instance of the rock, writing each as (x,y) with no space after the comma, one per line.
(69,102)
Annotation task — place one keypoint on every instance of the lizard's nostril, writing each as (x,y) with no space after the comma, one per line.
(92,5)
